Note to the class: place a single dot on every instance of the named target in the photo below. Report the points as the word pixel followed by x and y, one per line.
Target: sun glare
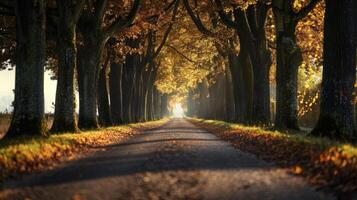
pixel 177 111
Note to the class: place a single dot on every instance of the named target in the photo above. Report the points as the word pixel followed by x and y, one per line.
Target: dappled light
pixel 178 99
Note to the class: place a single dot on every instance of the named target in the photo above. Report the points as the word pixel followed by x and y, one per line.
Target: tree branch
pixel 149 57
pixel 167 32
pixel 100 8
pixel 196 19
pixel 306 10
pixel 252 19
pixel 77 11
pixel 181 54
pixel 262 12
pixel 120 24
pixel 224 17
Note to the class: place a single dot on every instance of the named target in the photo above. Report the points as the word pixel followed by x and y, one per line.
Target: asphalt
pixel 175 161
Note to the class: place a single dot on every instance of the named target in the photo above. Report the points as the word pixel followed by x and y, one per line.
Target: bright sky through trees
pixel 177 111
pixel 7 83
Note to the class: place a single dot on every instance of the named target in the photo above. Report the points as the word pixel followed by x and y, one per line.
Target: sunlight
pixel 177 111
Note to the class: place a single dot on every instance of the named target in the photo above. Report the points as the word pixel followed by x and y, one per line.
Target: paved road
pixel 176 161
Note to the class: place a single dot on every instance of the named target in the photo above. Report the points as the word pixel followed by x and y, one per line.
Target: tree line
pixel 242 93
pixel 85 38
pixel 112 52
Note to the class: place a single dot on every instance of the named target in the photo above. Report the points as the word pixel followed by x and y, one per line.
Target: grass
pixel 5 120
pixel 325 163
pixel 299 137
pixel 28 154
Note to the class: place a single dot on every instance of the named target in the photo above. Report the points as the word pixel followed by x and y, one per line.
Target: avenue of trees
pixel 130 59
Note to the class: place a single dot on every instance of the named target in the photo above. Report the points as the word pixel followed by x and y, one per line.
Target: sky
pixel 7 84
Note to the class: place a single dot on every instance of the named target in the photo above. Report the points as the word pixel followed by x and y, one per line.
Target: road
pixel 175 161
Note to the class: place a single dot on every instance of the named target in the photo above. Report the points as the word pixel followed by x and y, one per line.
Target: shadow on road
pixel 170 148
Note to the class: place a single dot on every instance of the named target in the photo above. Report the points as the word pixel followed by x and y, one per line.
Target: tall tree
pixel 288 58
pixel 95 36
pixel 339 71
pixel 254 57
pixel 28 115
pixel 250 68
pixel 65 119
pixel 105 117
pixel 115 85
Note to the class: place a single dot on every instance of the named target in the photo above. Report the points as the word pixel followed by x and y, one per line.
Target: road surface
pixel 175 161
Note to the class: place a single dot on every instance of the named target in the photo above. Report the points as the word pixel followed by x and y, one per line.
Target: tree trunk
pixel 141 99
pixel 204 99
pixel 220 98
pixel 156 104
pixel 190 104
pixel 115 81
pixel 150 109
pixel 164 111
pixel 288 58
pixel 339 73
pixel 129 76
pixel 147 88
pixel 105 118
pixel 261 62
pixel 28 115
pixel 65 119
pixel 88 73
pixel 230 107
pixel 242 85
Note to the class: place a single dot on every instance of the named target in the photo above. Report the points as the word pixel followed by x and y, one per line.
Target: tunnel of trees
pixel 285 64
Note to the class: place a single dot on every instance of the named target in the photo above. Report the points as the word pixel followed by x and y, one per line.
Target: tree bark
pixel 156 104
pixel 164 111
pixel 261 92
pixel 339 73
pixel 88 73
pixel 204 99
pixel 242 85
pixel 95 36
pixel 289 58
pixel 115 81
pixel 28 115
pixel 261 61
pixel 105 118
pixel 190 104
pixel 230 106
pixel 129 77
pixel 65 118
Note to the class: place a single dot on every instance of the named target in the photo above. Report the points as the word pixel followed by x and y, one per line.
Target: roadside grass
pixel 5 120
pixel 327 164
pixel 29 154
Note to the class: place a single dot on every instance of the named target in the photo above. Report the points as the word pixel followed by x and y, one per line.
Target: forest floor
pixel 176 161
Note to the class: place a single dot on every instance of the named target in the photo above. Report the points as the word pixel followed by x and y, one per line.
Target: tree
pixel 65 119
pixel 288 58
pixel 254 58
pixel 105 117
pixel 28 115
pixel 339 71
pixel 95 36
pixel 115 85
